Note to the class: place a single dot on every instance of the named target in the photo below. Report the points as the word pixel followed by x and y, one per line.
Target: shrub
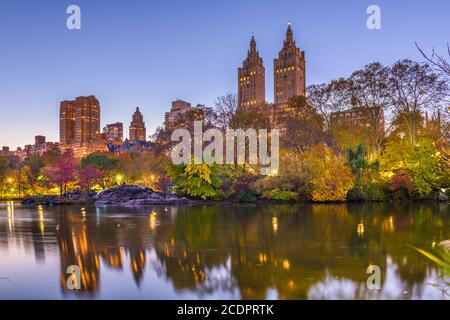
pixel 277 194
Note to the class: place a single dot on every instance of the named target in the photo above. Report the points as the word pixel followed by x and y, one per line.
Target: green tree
pixel 108 165
pixel 421 162
pixel 196 180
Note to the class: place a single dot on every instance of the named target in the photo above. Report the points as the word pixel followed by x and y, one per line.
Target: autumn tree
pixel 304 126
pixel 225 108
pixel 372 95
pixel 62 171
pixel 4 165
pixel 107 164
pixel 89 176
pixel 416 89
pixel 331 176
pixel 35 164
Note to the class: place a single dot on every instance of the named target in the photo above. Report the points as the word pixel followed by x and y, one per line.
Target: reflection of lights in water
pixel 360 229
pixel 152 220
pixel 275 225
pixel 388 224
pixel 10 209
pixel 286 264
pixel 262 258
pixel 41 219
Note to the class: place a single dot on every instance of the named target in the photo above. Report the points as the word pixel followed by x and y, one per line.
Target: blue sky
pixel 147 53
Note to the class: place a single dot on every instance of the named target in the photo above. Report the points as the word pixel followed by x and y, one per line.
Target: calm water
pixel 223 251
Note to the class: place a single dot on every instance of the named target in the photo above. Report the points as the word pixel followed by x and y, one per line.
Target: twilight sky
pixel 147 53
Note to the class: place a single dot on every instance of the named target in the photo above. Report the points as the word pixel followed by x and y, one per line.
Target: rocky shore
pixel 125 195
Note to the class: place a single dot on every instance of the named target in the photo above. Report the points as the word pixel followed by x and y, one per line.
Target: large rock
pixel 130 196
pixel 73 197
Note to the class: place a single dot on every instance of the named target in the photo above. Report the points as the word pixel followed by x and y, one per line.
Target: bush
pixel 247 195
pixel 277 194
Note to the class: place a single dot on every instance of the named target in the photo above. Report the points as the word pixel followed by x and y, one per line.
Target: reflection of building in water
pixel 200 251
pixel 137 263
pixel 77 249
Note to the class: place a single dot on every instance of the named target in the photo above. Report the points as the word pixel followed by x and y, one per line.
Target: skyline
pixel 148 58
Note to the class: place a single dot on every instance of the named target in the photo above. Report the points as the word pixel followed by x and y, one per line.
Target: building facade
pixel 80 125
pixel 113 133
pixel 289 71
pixel 137 130
pixel 182 113
pixel 360 117
pixel 251 80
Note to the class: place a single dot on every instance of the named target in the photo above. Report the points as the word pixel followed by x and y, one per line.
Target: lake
pixel 221 251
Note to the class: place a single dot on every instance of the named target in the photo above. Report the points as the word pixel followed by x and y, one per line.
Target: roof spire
pixel 289 34
pixel 253 44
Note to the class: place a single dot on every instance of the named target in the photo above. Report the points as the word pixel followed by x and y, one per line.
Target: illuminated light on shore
pixel 119 178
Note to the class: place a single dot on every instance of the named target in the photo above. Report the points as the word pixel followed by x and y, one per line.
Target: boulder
pixel 131 195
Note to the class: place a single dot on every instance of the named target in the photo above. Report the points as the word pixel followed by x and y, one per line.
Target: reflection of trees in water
pixel 300 251
pixel 310 243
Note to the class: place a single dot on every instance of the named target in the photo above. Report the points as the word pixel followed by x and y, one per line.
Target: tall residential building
pixel 289 71
pixel 251 79
pixel 182 114
pixel 137 127
pixel 179 107
pixel 87 119
pixel 80 125
pixel 66 123
pixel 114 133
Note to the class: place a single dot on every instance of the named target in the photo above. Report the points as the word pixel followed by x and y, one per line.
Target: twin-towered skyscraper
pixel 288 70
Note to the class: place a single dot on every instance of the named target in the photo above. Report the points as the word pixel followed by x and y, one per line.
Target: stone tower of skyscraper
pixel 137 127
pixel 289 71
pixel 251 79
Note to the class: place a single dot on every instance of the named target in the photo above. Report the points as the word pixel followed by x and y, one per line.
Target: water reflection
pixel 248 252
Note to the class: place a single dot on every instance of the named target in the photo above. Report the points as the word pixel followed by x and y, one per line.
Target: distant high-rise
pixel 182 114
pixel 39 141
pixel 138 131
pixel 114 133
pixel 80 125
pixel 289 71
pixel 251 79
pixel 66 123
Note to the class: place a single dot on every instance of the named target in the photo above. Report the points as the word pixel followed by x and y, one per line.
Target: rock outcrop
pixel 130 196
pixel 125 195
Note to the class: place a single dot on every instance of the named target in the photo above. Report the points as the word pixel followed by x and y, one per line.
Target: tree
pixel 303 126
pixel 196 180
pixel 372 95
pixel 62 172
pixel 328 99
pixel 4 165
pixel 416 89
pixel 440 63
pixel 225 108
pixel 331 176
pixel 421 162
pixel 35 164
pixel 108 165
pixel 89 176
